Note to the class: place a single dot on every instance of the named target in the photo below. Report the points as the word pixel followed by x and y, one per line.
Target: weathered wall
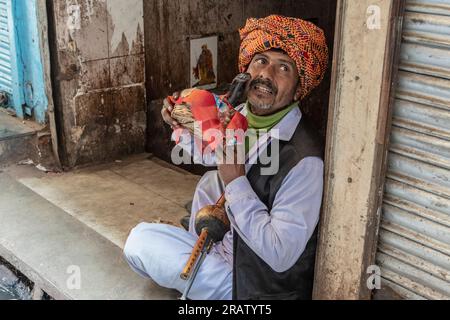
pixel 99 78
pixel 169 26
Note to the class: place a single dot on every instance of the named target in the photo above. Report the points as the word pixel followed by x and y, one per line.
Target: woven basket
pixel 183 115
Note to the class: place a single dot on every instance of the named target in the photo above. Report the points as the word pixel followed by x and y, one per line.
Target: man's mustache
pixel 264 82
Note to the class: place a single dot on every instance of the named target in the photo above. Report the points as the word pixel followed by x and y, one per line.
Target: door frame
pixel 363 79
pixel 45 32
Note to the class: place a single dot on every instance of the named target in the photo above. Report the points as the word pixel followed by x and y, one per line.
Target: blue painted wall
pixel 12 72
pixel 30 65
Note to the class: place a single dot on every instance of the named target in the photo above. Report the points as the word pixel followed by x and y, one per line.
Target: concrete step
pixel 11 126
pixel 50 247
pixel 24 140
pixel 113 198
pixel 55 224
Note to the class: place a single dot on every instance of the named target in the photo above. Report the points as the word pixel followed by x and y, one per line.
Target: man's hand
pixel 229 172
pixel 167 111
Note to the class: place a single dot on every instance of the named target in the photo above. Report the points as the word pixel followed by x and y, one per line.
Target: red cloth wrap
pixel 205 110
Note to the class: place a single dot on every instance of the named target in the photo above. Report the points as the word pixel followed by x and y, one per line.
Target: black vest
pixel 253 279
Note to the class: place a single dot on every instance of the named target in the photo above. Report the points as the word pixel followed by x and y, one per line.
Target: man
pixel 269 254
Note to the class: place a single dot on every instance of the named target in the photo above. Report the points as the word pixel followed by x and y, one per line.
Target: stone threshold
pixel 66 232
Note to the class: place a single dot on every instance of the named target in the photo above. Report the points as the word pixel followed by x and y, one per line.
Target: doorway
pixel 173 25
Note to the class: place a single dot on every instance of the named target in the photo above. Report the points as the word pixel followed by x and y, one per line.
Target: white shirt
pixel 279 237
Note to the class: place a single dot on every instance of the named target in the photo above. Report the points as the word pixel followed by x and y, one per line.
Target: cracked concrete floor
pixel 112 199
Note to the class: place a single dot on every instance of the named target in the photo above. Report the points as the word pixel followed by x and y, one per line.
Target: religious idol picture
pixel 204 63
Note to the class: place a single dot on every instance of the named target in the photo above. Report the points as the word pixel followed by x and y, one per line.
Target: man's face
pixel 274 82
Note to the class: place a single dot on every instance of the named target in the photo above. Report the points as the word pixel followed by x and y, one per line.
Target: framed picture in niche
pixel 204 54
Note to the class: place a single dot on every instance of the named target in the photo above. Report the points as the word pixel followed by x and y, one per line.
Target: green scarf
pixel 259 125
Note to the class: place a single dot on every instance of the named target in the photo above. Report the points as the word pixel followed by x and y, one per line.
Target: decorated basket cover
pixel 204 114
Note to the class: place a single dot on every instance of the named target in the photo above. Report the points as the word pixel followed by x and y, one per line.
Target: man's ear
pixel 298 94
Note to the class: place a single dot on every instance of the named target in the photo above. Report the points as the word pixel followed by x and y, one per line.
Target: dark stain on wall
pixel 99 90
pixel 169 26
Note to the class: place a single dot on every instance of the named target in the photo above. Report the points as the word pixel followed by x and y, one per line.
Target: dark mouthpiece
pixel 237 89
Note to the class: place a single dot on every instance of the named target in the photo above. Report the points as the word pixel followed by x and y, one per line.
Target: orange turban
pixel 303 41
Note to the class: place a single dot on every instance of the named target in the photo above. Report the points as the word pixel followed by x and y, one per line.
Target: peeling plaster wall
pixel 99 78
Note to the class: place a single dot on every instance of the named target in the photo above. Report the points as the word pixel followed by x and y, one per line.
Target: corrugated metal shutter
pixel 6 66
pixel 414 249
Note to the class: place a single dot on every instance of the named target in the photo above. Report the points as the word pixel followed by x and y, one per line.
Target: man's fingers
pixel 171 122
pixel 165 113
pixel 226 117
pixel 168 119
pixel 168 105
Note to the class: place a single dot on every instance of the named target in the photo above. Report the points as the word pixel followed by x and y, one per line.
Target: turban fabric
pixel 303 41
